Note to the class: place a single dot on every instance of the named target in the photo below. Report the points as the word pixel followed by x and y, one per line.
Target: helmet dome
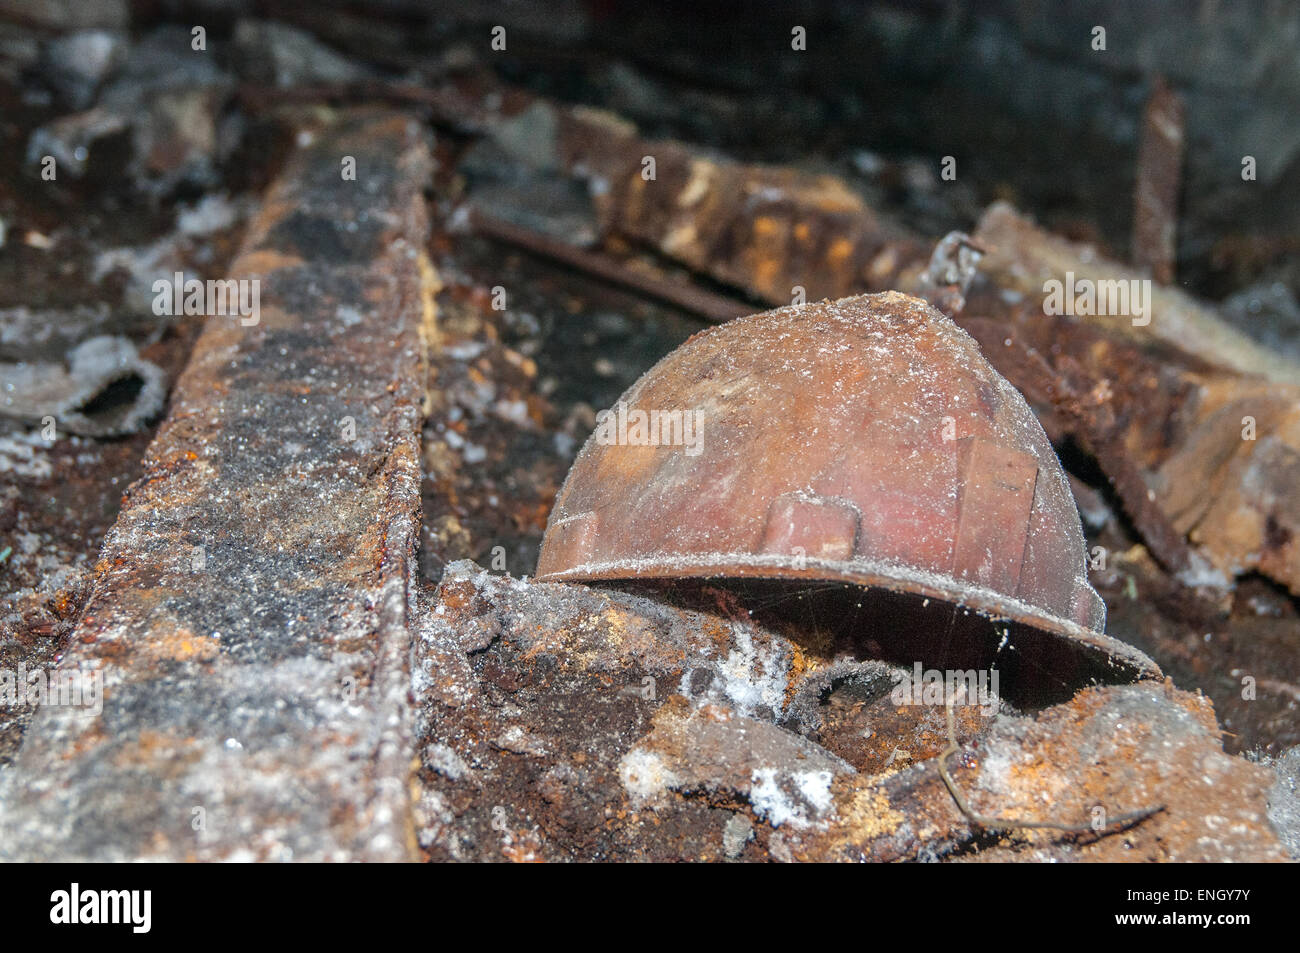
pixel 865 441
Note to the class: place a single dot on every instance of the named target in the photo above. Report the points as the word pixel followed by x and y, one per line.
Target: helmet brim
pixel 1121 662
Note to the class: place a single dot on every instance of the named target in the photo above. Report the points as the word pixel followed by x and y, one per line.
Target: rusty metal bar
pixel 249 611
pixel 1159 176
pixel 680 294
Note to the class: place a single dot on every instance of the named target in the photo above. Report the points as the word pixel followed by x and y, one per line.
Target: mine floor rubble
pixel 290 550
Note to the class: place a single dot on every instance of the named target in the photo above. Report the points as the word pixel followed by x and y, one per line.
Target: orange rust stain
pixel 182 645
pixel 766 271
pixel 839 252
pixel 457 596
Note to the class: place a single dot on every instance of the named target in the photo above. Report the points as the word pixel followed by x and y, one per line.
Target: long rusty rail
pixel 249 616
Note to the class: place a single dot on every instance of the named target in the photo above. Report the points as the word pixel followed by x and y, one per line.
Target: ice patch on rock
pixel 775 802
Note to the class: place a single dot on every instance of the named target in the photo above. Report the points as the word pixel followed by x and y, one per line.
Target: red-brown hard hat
pixel 864 441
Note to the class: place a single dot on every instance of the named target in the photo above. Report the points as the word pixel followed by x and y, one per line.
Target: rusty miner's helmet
pixel 863 441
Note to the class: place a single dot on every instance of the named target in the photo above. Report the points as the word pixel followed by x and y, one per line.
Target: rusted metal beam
pixel 769 230
pixel 1194 423
pixel 249 615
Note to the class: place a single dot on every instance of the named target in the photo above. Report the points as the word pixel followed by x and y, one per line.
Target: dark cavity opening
pixel 114 401
pixel 836 620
